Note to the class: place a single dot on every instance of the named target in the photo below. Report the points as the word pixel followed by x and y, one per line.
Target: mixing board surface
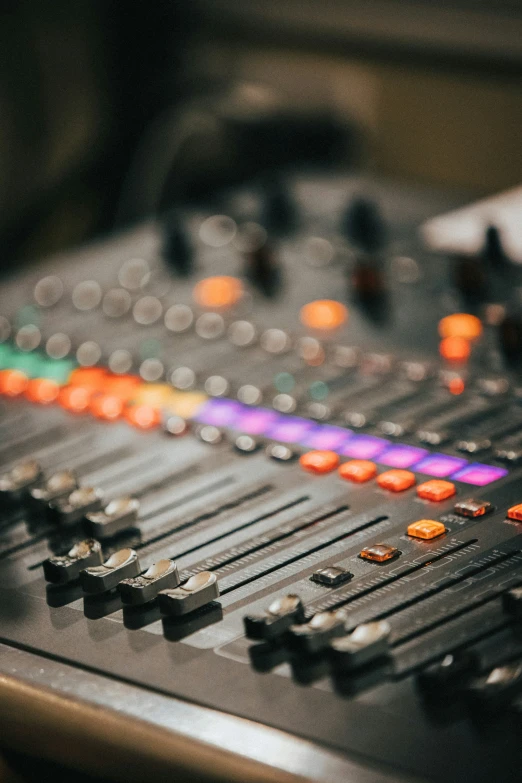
pixel 268 462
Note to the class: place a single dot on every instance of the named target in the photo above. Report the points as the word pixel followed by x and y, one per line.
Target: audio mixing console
pixel 268 462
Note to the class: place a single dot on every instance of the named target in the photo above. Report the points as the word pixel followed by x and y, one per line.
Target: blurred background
pixel 112 110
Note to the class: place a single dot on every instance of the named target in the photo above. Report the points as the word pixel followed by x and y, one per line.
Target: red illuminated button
pixel 460 325
pixel 92 377
pixel 436 490
pixel 219 292
pixel 379 553
pixel 325 314
pixel 13 382
pixel 75 398
pixel 123 386
pixel 106 406
pixel 455 349
pixel 145 417
pixel 358 470
pixel 319 461
pixel 42 390
pixel 426 529
pixel 396 480
pixel 515 512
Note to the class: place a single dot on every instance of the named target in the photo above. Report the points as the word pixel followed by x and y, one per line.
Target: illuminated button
pixel 145 417
pixel 218 292
pixel 75 398
pixel 88 377
pixel 436 490
pixel 472 508
pixel 515 512
pixel 379 553
pixel 426 529
pixel 319 461
pixel 106 406
pixel 455 349
pixel 123 386
pixel 13 382
pixel 42 390
pixel 461 325
pixel 325 314
pixel 396 480
pixel 359 470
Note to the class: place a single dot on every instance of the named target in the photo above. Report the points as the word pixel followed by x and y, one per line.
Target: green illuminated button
pixel 284 382
pixel 6 356
pixel 318 390
pixel 28 363
pixel 57 370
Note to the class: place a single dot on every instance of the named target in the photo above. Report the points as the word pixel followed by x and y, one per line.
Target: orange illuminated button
pixel 13 382
pixel 106 406
pixel 461 325
pixel 123 386
pixel 515 512
pixel 455 349
pixel 359 470
pixel 378 553
pixel 42 390
pixel 426 529
pixel 92 377
pixel 436 490
pixel 216 293
pixel 396 480
pixel 145 417
pixel 75 398
pixel 325 314
pixel 319 461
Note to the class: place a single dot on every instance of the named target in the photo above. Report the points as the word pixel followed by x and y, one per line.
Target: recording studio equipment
pixel 262 488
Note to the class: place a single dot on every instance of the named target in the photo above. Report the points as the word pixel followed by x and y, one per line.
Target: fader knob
pixel 264 271
pixel 364 226
pixel 510 336
pixel 278 212
pixel 177 251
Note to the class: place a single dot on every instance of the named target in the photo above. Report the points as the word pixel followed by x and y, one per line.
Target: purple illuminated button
pixel 256 421
pixel 290 429
pixel 439 465
pixel 327 437
pixel 220 413
pixel 364 447
pixel 479 474
pixel 401 456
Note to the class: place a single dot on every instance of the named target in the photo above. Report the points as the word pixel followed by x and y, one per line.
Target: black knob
pixel 177 250
pixel 278 211
pixel 264 271
pixel 510 335
pixel 364 226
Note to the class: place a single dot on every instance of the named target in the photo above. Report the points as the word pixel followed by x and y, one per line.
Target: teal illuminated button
pixel 28 363
pixel 284 382
pixel 318 390
pixel 57 370
pixel 6 356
